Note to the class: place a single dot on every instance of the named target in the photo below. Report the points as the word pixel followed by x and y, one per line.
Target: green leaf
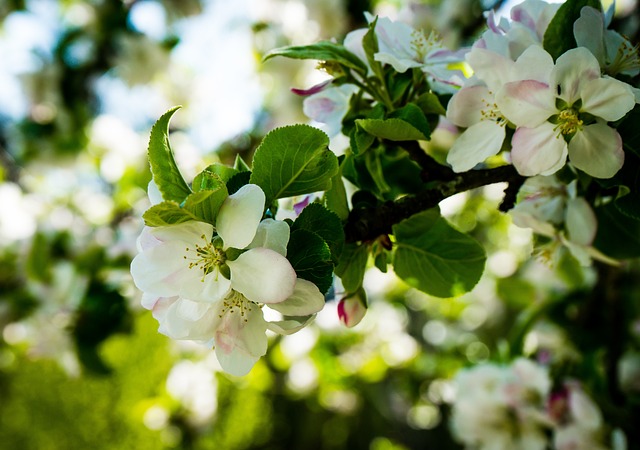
pixel 405 124
pixel 294 160
pixel 618 235
pixel 237 181
pixel 628 202
pixel 324 223
pixel 310 257
pixel 335 199
pixel 559 35
pixel 352 265
pixel 429 103
pixel 163 166
pixel 167 213
pixel 322 51
pixel 436 258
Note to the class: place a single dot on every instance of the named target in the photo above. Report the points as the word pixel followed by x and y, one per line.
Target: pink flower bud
pixel 351 310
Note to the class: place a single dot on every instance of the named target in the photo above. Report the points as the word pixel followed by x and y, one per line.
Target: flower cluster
pixel 515 407
pixel 210 284
pixel 559 110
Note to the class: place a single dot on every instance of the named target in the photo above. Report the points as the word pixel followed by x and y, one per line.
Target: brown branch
pixel 365 224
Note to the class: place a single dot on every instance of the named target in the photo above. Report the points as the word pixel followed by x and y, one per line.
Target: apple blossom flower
pixel 234 326
pixel 577 419
pixel 567 115
pixel 474 106
pixel 186 260
pixel 612 50
pixel 553 209
pixel 402 47
pixel 329 105
pixel 501 407
pixel 529 21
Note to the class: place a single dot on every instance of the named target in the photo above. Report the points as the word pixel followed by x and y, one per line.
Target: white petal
pixel 192 311
pixel 494 69
pixel 161 270
pixel 607 98
pixel 188 232
pixel 272 234
pixel 538 151
pixel 526 103
pixel 466 106
pixel 146 240
pixel 580 221
pixel 290 325
pixel 154 194
pixel 588 30
pixel 533 64
pixel 240 215
pixel 263 276
pixel 597 150
pixel 305 300
pixel 574 68
pixel 211 288
pixel 476 144
pixel 240 341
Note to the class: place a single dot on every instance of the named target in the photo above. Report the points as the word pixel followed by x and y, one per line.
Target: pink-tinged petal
pixel 161 307
pixel 305 300
pixel 240 215
pixel 573 69
pixel 526 103
pixel 146 240
pixel 490 67
pixel 290 325
pixel 538 151
pixel 313 89
pixel 607 98
pixel 351 310
pixel 263 276
pixel 272 234
pixel 466 106
pixel 240 341
pixel 580 221
pixel 148 301
pixel 597 150
pixel 476 144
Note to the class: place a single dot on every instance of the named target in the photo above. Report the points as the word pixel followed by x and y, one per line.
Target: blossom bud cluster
pixel 515 407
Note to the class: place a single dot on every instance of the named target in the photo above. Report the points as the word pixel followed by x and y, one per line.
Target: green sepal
pixel 432 256
pixel 310 257
pixel 163 165
pixel 293 160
